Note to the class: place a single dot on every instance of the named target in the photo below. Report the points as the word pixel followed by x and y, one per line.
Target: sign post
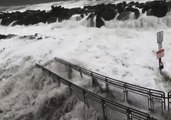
pixel 160 52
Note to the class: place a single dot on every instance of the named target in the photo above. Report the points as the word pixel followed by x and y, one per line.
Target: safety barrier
pixel 151 94
pixel 168 98
pixel 131 114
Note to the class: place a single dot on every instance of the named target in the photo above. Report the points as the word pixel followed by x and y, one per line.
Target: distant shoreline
pixel 5 3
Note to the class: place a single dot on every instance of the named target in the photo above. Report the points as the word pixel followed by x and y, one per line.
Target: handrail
pixel 130 112
pixel 150 93
pixel 168 98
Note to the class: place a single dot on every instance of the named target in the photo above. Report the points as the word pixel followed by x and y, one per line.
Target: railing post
pixel 70 90
pixel 69 71
pixel 129 114
pixel 162 106
pixel 106 84
pixel 85 98
pixel 81 72
pixel 104 109
pixel 150 101
pixel 94 81
pixel 163 102
pixel 125 92
pixel 59 82
pixel 168 95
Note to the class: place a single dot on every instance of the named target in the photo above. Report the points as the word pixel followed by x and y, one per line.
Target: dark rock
pixel 108 14
pixel 6 36
pixel 99 22
pixel 3 36
pixel 121 7
pixel 82 15
pixel 104 12
pixel 124 15
pixel 156 8
pixel 131 3
pixel 51 20
pixel 1 111
pixel 136 13
pixel 6 21
pixel 139 5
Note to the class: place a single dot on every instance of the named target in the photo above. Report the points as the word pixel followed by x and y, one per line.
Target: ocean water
pixel 124 50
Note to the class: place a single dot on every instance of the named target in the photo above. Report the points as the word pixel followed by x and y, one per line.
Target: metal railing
pixel 151 94
pixel 131 114
pixel 168 98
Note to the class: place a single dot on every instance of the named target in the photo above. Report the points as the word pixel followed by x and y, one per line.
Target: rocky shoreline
pixel 101 12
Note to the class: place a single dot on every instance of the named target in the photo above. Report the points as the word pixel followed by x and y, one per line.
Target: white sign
pixel 160 53
pixel 160 37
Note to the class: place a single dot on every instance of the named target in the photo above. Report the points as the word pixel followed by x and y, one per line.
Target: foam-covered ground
pixel 122 50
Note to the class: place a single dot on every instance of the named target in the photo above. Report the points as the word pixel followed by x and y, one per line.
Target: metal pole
pixel 160 46
pixel 160 65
